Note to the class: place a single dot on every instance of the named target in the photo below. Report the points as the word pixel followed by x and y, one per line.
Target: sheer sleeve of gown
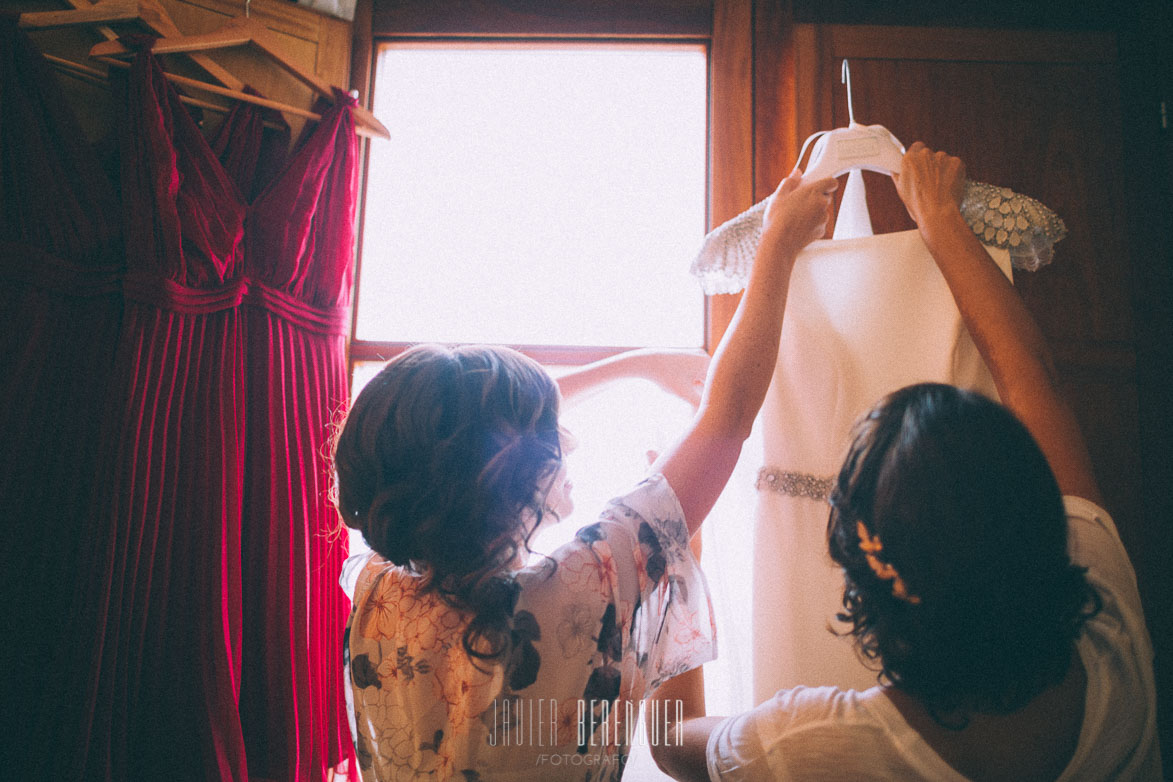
pixel 1001 218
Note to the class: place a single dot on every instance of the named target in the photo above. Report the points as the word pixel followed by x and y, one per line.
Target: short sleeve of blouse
pixel 790 736
pixel 734 753
pixel 1095 544
pixel 674 630
pixel 636 562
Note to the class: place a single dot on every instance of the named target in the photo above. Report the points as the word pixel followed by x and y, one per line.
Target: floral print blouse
pixel 618 610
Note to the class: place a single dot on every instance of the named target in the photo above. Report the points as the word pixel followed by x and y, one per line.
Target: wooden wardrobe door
pixel 1038 113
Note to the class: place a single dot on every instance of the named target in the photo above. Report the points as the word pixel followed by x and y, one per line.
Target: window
pixel 545 195
pixel 548 196
pixel 709 41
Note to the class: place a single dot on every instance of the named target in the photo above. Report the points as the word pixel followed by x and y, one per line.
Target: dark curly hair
pixel 443 464
pixel 969 513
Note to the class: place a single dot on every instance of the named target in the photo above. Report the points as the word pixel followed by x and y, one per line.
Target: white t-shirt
pixel 830 734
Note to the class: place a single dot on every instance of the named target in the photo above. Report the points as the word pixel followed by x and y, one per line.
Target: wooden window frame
pixel 724 26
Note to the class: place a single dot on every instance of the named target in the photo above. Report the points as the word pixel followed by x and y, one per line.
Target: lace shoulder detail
pixel 998 216
pixel 727 252
pixel 1012 221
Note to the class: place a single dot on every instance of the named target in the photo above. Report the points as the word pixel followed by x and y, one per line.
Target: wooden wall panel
pixel 776 53
pixel 1041 115
pixel 1069 118
pixel 731 136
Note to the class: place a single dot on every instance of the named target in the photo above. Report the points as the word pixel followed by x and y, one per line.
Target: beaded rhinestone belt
pixel 794 484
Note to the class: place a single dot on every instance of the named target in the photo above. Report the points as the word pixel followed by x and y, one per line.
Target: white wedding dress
pixel 865 316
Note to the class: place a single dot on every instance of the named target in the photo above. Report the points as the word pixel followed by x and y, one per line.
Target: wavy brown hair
pixel 443 464
pixel 969 513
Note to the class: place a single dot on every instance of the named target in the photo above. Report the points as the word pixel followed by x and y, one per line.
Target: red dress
pixel 224 634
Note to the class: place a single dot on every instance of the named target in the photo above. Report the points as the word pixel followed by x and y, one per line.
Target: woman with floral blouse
pixel 462 660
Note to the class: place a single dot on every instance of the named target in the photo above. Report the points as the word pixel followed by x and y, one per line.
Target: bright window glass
pixel 546 195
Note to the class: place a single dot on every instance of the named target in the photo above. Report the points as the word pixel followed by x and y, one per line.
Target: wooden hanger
pixel 104 11
pixel 97 77
pixel 152 14
pixel 242 31
pixel 149 12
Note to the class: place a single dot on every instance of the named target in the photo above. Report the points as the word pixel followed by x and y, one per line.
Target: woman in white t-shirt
pixel 981 578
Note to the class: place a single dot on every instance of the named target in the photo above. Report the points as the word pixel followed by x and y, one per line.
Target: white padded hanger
pixel 852 149
pixel 870 147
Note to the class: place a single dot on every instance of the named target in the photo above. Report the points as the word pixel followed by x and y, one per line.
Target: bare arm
pixel 678 730
pixel 678 372
pixel 930 183
pixel 699 464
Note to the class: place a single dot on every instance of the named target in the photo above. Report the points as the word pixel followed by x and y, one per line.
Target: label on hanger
pixel 851 148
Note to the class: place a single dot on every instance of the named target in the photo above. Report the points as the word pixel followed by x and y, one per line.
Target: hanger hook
pixel 845 78
pixel 248 3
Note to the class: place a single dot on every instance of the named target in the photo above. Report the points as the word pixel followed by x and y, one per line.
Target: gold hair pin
pixel 885 571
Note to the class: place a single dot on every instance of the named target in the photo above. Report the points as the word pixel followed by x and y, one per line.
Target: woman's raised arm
pixel 930 183
pixel 700 463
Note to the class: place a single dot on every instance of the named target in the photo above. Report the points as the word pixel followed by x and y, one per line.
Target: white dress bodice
pixel 865 317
